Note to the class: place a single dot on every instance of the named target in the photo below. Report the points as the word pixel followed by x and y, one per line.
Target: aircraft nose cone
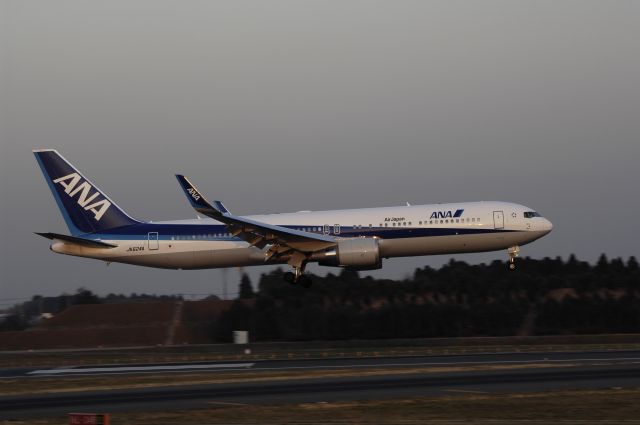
pixel 547 226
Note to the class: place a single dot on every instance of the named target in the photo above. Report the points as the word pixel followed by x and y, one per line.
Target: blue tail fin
pixel 85 208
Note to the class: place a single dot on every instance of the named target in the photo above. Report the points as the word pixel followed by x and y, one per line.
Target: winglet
pixel 256 233
pixel 220 207
pixel 198 202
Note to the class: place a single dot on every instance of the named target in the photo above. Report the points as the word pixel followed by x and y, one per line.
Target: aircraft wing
pixel 257 233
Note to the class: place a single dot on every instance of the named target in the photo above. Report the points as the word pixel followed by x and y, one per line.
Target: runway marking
pixel 257 367
pixel 497 362
pixel 129 369
pixel 227 403
pixel 467 391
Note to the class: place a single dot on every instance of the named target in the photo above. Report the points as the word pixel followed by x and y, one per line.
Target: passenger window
pixel 336 229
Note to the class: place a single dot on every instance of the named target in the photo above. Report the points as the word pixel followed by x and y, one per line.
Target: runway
pixel 403 377
pixel 512 358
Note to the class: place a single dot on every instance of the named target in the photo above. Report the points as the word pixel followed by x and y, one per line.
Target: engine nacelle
pixel 356 254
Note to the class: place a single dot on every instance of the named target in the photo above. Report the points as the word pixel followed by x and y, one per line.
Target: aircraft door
pixel 498 220
pixel 153 241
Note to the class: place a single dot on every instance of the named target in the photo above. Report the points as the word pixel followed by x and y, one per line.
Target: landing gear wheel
pixel 298 261
pixel 289 277
pixel 305 281
pixel 513 252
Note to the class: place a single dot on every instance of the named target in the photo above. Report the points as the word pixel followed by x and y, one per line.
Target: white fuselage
pixel 402 231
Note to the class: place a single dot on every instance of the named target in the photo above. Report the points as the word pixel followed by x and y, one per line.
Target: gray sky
pixel 287 105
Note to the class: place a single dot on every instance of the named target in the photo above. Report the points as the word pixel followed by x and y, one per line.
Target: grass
pixel 603 406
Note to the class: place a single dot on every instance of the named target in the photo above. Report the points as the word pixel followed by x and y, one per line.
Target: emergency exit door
pixel 498 220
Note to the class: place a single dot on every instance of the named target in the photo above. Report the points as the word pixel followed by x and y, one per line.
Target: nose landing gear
pixel 513 252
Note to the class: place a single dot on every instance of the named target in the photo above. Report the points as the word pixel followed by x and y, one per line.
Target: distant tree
pixel 85 296
pixel 632 264
pixel 348 276
pixel 62 302
pixel 603 263
pixel 246 289
pixel 617 264
pixel 13 322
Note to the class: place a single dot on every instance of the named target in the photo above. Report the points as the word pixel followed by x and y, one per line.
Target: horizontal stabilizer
pixel 90 243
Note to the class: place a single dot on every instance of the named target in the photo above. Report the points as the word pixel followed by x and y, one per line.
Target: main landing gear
pixel 297 277
pixel 513 252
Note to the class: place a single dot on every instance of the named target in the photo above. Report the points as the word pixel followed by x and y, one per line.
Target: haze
pixel 292 105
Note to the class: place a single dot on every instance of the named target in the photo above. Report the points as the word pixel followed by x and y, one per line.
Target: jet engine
pixel 356 254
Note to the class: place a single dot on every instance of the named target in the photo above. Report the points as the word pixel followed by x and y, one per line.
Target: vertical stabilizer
pixel 85 208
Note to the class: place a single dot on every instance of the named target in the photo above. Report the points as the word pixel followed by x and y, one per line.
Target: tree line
pixel 541 297
pixel 29 312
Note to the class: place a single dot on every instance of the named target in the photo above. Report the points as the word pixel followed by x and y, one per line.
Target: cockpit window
pixel 531 214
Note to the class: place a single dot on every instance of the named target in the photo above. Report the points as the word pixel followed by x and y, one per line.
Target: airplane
pixel 357 239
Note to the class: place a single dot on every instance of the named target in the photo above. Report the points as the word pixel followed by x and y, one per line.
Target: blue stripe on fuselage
pixel 219 232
